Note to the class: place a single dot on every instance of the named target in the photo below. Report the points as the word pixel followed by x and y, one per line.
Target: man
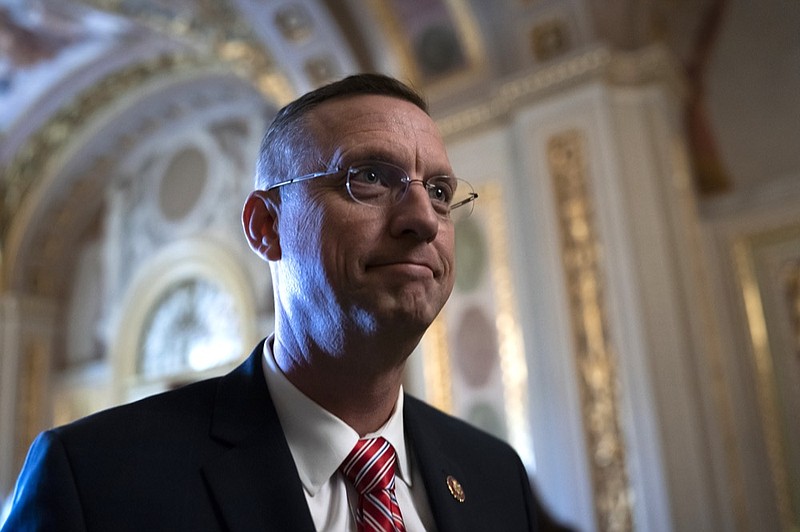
pixel 354 211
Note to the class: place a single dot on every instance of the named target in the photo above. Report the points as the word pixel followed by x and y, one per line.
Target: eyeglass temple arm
pixel 472 197
pixel 303 178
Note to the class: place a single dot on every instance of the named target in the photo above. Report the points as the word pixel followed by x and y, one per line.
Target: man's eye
pixel 440 191
pixel 369 175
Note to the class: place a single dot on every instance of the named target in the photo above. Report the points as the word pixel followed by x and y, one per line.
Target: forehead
pixel 374 125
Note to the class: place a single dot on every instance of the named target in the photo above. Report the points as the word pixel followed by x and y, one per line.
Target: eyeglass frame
pixel 471 196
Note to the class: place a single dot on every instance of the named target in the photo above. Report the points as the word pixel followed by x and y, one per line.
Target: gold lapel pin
pixel 455 488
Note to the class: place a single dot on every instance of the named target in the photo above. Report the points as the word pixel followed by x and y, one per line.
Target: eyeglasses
pixel 381 184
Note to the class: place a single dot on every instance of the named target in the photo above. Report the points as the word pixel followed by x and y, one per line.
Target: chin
pixel 415 317
pixel 413 309
pixel 411 321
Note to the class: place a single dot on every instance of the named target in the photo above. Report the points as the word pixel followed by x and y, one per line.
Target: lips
pixel 405 264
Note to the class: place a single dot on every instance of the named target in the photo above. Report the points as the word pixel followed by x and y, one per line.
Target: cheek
pixel 345 241
pixel 445 243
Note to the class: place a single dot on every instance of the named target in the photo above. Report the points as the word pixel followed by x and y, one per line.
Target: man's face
pixel 344 264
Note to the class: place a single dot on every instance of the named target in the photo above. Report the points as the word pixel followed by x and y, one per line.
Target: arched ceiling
pixel 61 57
pixel 291 46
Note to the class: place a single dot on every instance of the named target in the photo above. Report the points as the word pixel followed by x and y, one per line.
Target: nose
pixel 414 214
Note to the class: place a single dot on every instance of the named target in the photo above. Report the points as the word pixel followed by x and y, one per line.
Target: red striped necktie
pixel 370 467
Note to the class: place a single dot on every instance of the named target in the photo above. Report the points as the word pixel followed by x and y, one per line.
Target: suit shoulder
pixel 164 411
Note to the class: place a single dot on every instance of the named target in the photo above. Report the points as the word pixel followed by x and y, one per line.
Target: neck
pixel 358 382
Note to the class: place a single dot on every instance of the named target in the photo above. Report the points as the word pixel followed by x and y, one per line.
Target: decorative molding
pixel 513 366
pixel 31 162
pixel 633 68
pixel 594 351
pixel 436 367
pixel 219 36
pixel 549 39
pixel 401 41
pixel 731 447
pixel 185 259
pixel 511 362
pixel 765 379
pixel 216 25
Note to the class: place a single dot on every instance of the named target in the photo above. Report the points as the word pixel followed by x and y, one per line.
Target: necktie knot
pixel 370 466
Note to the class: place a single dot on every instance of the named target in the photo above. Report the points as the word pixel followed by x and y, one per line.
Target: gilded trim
pixel 217 24
pixel 634 68
pixel 436 366
pixel 31 161
pixel 765 377
pixel 594 351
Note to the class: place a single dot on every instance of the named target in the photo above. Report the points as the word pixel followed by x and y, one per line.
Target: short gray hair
pixel 287 135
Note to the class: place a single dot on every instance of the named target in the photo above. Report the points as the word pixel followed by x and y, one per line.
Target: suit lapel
pixel 255 482
pixel 435 467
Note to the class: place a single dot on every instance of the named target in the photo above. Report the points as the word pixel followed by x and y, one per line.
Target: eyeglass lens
pixel 383 184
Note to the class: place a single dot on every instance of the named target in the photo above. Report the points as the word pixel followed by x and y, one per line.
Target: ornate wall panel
pixel 214 26
pixel 437 41
pixel 595 356
pixel 215 36
pixel 768 269
pixel 474 354
pixel 35 161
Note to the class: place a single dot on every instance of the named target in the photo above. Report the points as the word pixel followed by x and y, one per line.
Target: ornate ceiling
pixel 79 78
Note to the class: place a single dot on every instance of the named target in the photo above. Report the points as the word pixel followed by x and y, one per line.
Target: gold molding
pixel 31 161
pixel 436 367
pixel 766 384
pixel 507 96
pixel 632 68
pixel 594 352
pixel 216 25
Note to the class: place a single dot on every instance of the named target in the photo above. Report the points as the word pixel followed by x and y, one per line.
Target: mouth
pixel 405 268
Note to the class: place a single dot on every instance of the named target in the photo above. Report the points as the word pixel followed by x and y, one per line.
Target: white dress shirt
pixel 319 443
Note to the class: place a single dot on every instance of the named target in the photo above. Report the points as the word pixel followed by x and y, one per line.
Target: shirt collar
pixel 318 440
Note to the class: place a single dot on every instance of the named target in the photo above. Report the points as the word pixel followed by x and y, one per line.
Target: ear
pixel 260 224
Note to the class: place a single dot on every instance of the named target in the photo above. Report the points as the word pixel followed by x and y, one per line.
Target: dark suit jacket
pixel 212 456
